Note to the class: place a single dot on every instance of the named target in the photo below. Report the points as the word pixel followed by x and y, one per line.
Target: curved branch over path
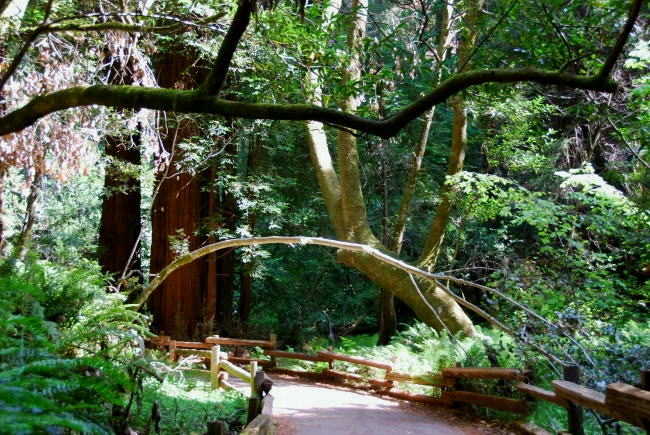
pixel 301 240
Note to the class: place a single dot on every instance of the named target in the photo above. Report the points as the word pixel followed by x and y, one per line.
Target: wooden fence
pixel 620 402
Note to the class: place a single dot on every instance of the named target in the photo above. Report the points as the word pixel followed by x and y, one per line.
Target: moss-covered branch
pixel 135 97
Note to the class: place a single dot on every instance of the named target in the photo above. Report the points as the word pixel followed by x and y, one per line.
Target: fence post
pixel 330 363
pixel 645 385
pixel 252 380
pixel 574 412
pixel 172 350
pixel 216 428
pixel 214 366
pixel 273 338
pixel 254 402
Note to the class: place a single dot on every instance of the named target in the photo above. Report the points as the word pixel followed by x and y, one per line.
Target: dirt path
pixel 301 408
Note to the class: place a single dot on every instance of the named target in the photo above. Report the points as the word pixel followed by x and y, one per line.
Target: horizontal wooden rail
pixel 187 352
pixel 580 395
pixel 226 385
pixel 381 383
pixel 264 344
pixel 485 373
pixel 430 379
pixel 159 340
pixel 235 371
pixel 634 410
pixel 295 355
pixel 422 398
pixel 330 373
pixel 192 345
pixel 540 393
pixel 246 361
pixel 500 403
pixel 299 373
pixel 354 359
pixel 630 400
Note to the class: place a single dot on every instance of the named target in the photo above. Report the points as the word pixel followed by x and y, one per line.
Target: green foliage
pixel 65 291
pixel 186 405
pixel 62 375
pixel 518 140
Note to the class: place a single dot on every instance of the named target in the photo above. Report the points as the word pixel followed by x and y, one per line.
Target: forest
pixel 460 183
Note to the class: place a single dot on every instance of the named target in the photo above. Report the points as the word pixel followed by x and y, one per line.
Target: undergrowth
pixel 187 405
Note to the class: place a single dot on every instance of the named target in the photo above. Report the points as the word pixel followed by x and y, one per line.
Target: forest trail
pixel 307 408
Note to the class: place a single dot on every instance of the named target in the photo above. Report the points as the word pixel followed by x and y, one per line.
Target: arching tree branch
pixel 132 97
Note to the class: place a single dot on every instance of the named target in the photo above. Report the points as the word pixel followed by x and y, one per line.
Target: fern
pixel 65 374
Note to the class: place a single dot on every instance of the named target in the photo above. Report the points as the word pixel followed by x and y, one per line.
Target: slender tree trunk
pixel 345 205
pixel 436 236
pixel 3 174
pixel 24 239
pixel 388 317
pixel 253 162
pixel 455 165
pixel 387 314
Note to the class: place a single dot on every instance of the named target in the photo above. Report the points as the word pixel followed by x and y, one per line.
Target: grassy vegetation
pixel 187 405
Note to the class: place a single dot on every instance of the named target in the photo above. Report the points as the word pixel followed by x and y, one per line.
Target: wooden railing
pixel 621 401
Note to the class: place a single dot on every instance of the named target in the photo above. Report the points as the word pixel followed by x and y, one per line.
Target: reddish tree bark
pixel 120 226
pixel 120 222
pixel 188 297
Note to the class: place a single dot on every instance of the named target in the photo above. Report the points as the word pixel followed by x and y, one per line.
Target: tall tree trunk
pixel 120 227
pixel 179 306
pixel 227 217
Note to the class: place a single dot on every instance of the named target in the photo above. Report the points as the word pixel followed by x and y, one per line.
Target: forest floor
pixel 311 408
